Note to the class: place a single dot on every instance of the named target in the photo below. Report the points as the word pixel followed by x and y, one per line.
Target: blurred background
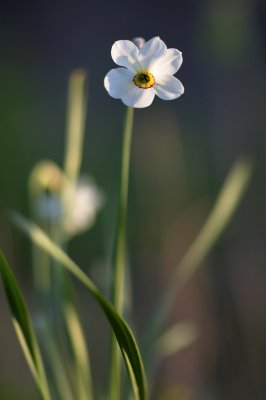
pixel 182 151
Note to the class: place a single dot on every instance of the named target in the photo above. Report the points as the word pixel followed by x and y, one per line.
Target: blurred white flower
pixel 144 72
pixel 139 42
pixel 83 204
pixel 86 202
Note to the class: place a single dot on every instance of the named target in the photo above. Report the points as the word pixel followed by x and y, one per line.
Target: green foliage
pixel 24 328
pixel 122 331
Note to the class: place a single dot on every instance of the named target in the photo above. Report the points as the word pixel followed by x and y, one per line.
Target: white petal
pixel 117 82
pixel 154 47
pixel 168 87
pixel 125 53
pixel 138 98
pixel 168 64
pixel 151 51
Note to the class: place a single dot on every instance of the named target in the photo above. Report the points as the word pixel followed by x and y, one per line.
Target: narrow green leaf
pixel 59 372
pixel 177 338
pixel 76 118
pixel 24 328
pixel 80 352
pixel 221 214
pixel 122 331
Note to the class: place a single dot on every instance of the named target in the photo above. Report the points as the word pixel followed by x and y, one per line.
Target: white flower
pixel 144 72
pixel 87 200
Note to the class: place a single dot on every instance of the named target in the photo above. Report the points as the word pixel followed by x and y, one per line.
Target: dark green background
pixel 181 153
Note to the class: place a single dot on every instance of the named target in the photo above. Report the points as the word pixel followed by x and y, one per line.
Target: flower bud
pixel 139 42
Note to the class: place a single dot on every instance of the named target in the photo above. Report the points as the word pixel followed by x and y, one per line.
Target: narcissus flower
pixel 87 199
pixel 145 72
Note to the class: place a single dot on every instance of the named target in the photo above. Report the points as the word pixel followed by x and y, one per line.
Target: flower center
pixel 144 80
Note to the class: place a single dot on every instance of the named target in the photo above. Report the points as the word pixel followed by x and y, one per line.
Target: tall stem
pixel 119 253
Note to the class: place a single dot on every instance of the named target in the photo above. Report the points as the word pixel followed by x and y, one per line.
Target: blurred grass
pixel 226 204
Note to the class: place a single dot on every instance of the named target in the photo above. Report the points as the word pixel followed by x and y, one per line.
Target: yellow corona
pixel 144 80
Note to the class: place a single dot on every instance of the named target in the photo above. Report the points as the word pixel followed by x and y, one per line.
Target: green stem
pixel 76 118
pixel 120 253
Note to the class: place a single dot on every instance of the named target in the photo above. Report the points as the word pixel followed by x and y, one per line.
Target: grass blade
pixel 80 354
pixel 178 337
pixel 24 328
pixel 221 214
pixel 76 117
pixel 122 331
pixel 58 368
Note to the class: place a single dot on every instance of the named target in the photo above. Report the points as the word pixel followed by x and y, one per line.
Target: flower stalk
pixel 119 253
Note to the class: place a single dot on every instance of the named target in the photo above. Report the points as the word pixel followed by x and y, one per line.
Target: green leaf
pixel 24 328
pixel 76 118
pixel 176 338
pixel 122 331
pixel 59 373
pixel 80 353
pixel 223 210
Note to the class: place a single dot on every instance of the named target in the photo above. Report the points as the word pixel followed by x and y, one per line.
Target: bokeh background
pixel 182 151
